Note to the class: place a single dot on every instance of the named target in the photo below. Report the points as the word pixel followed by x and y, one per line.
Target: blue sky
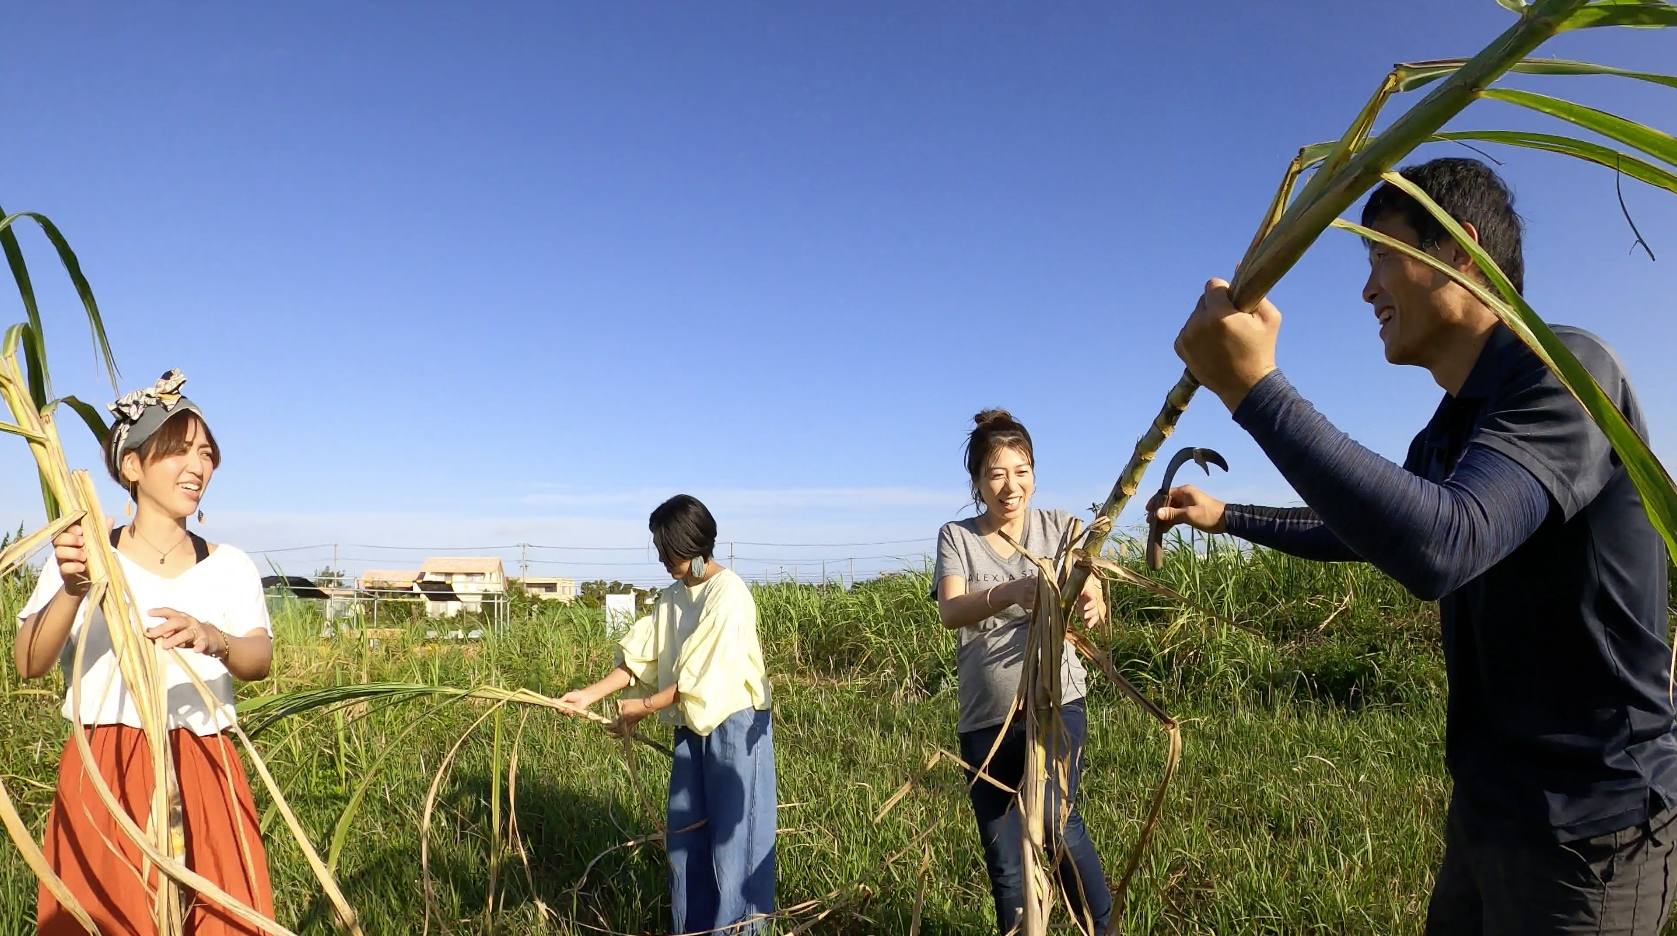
pixel 452 276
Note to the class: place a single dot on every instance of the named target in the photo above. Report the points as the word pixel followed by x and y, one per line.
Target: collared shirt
pixel 1560 712
pixel 702 639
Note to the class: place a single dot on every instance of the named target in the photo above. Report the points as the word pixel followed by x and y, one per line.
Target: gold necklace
pixel 162 554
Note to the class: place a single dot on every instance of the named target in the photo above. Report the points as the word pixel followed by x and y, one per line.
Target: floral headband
pixel 141 413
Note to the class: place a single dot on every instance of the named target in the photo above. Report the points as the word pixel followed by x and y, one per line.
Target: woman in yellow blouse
pixel 697 663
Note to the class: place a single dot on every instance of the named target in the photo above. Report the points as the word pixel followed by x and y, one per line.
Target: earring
pixel 200 517
pixel 128 508
pixel 697 567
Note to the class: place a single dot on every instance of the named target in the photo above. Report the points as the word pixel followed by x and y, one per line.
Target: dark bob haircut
pixel 683 528
pixel 1468 191
pixel 169 439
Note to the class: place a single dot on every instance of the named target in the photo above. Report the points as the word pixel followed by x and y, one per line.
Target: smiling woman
pixel 201 598
pixel 986 591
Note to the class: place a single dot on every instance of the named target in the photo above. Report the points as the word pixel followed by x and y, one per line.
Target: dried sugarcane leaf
pixel 429 888
pixel 13 555
pixel 20 431
pixel 37 861
pixel 1173 756
pixel 345 913
pixel 1123 573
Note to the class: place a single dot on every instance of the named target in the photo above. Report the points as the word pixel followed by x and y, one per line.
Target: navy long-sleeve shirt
pixel 1432 537
pixel 1513 511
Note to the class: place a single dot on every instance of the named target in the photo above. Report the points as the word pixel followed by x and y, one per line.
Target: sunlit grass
pixel 1309 799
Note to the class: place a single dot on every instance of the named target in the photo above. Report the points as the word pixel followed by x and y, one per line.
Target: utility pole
pixel 523 565
pixel 823 572
pixel 334 558
pixel 852 571
pixel 730 556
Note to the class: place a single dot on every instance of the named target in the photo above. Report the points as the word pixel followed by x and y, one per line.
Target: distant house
pixel 453 585
pixel 550 589
pixel 384 580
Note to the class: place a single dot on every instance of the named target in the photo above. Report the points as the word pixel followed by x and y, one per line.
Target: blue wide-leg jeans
pixel 722 872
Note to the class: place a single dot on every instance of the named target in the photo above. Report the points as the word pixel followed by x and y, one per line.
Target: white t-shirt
pixel 225 590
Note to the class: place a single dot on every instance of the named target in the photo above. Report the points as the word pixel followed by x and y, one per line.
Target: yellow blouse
pixel 703 640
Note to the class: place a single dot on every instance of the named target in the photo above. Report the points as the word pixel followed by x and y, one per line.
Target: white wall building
pixel 462 584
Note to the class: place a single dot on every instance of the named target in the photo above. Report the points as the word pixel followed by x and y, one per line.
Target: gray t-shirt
pixel 990 654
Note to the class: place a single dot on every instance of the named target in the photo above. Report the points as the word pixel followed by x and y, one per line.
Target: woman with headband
pixel 203 600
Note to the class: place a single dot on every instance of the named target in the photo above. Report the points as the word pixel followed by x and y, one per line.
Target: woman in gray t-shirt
pixel 986 592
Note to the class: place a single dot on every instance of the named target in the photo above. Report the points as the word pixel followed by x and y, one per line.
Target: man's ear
pixel 1460 258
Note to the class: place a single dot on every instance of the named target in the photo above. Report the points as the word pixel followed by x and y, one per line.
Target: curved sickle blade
pixel 1202 457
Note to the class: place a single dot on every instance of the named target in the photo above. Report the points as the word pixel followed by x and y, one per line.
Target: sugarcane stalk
pixel 137 659
pixel 1272 255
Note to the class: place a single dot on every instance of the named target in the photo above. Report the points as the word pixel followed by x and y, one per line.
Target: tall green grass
pixel 1310 796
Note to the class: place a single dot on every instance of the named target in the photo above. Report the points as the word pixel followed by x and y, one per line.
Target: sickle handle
pixel 1155 534
pixel 1155 546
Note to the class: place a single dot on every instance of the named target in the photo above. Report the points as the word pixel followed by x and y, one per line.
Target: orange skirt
pixel 106 871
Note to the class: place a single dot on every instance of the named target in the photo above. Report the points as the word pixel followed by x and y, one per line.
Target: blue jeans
pixel 999 828
pixel 722 873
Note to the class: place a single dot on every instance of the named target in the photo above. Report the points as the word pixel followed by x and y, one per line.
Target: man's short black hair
pixel 1468 191
pixel 683 528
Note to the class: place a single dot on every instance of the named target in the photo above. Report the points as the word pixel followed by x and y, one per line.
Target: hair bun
pixel 994 419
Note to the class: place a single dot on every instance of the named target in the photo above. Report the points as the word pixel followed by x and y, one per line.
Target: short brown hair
pixel 994 429
pixel 169 439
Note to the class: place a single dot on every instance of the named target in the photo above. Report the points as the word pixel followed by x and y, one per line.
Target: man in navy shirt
pixel 1513 512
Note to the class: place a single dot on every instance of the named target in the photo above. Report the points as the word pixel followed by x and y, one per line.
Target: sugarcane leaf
pixel 1653 483
pixel 12 556
pixel 20 337
pixel 340 833
pixel 14 339
pixel 1647 14
pixel 38 384
pixel 262 712
pixel 1415 75
pixel 1412 75
pixel 72 267
pixel 1350 142
pixel 89 414
pixel 1122 573
pixel 1582 149
pixel 1566 67
pixel 23 338
pixel 1655 143
pixel 1572 146
pixel 1306 219
pixel 19 430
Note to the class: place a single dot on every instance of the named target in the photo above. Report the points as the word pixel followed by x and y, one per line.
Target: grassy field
pixel 1309 800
